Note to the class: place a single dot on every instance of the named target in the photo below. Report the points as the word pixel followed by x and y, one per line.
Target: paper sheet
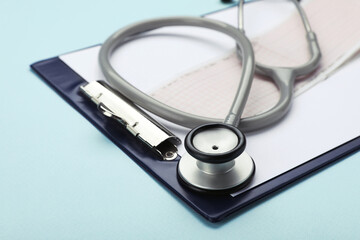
pixel 321 119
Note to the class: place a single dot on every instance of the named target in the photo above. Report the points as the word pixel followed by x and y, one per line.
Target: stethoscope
pixel 215 160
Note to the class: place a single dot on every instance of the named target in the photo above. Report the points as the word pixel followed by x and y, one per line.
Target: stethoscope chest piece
pixel 215 159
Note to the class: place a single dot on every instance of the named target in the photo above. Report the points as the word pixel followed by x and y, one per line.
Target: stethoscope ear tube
pixel 283 77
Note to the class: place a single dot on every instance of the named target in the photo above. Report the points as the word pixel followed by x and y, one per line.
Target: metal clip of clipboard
pixel 136 121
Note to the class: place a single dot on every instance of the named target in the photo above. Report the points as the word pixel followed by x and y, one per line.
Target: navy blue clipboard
pixel 214 208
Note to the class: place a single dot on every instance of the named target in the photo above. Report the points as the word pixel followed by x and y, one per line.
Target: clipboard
pixel 214 208
pixel 66 82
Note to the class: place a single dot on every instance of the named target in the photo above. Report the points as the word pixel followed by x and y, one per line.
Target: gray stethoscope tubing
pixel 283 77
pixel 215 159
pixel 163 110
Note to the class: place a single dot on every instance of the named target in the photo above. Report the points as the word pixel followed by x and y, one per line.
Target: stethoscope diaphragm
pixel 215 159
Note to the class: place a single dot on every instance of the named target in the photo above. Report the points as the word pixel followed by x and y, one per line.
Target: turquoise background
pixel 60 178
